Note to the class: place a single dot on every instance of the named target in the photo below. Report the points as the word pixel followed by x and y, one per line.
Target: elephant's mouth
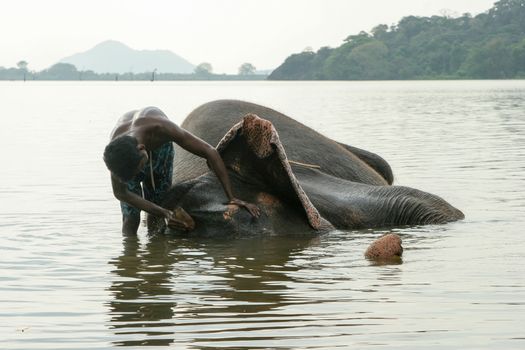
pixel 203 200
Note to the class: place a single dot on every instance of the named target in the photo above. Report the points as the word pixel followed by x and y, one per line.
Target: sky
pixel 225 33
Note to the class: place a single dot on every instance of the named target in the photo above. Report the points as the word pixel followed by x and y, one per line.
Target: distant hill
pixel 490 45
pixel 115 57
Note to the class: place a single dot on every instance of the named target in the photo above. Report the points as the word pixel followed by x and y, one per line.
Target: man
pixel 141 151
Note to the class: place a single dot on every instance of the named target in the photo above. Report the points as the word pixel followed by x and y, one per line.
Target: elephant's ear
pixel 253 150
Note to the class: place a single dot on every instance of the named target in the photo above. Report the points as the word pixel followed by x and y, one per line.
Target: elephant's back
pixel 302 144
pixel 223 114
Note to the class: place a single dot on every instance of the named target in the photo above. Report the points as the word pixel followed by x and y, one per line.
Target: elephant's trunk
pixel 408 206
pixel 350 205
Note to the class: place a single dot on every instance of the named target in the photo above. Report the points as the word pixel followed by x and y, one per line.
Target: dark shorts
pixel 142 185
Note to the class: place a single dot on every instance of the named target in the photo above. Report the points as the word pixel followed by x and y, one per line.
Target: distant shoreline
pixel 262 78
pixel 118 77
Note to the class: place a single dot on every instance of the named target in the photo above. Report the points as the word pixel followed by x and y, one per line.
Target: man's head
pixel 125 157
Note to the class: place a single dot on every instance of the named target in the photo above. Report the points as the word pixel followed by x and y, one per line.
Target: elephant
pixel 302 181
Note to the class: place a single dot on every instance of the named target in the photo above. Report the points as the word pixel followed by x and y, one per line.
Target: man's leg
pixel 130 224
pixel 131 215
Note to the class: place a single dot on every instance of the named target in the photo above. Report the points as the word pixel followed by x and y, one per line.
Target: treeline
pixel 490 45
pixel 67 71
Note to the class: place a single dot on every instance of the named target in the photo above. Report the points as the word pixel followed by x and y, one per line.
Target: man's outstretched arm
pixel 197 146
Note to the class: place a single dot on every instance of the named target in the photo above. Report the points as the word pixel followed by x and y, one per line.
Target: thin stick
pixel 304 164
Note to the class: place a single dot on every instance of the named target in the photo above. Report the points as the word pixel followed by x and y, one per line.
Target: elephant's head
pixel 260 173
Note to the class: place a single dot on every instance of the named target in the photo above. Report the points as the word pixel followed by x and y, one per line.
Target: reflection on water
pixel 153 281
pixel 142 295
pixel 460 285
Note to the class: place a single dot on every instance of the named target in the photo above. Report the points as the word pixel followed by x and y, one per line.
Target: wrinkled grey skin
pixel 351 189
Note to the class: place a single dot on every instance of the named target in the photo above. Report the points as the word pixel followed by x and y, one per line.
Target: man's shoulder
pixel 151 111
pixel 126 118
pixel 123 124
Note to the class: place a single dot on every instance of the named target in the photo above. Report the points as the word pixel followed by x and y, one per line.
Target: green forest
pixel 490 45
pixel 67 71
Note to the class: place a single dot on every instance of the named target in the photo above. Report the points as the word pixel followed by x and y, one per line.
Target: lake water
pixel 68 279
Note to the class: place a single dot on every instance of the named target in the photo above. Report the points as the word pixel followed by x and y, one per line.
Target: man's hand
pixel 179 219
pixel 252 208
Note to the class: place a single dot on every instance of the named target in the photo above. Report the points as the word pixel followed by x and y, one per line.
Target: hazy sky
pixel 225 33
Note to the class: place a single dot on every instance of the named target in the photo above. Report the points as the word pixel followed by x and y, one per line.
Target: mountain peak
pixel 111 44
pixel 113 56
